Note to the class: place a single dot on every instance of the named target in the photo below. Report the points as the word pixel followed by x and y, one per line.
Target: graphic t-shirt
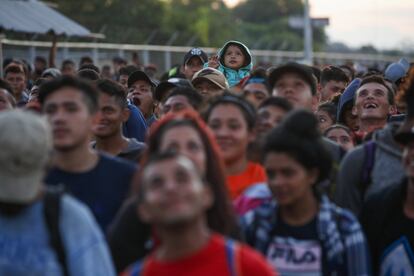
pixel 103 188
pixel 296 250
pixel 210 260
pixel 398 259
pixel 395 248
pixel 253 174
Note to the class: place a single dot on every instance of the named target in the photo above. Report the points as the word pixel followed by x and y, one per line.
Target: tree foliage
pixel 261 24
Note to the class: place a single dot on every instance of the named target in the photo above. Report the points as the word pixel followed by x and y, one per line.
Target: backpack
pixel 367 166
pixel 51 212
pixel 231 248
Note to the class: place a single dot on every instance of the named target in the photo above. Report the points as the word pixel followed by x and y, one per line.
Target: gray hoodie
pixel 387 170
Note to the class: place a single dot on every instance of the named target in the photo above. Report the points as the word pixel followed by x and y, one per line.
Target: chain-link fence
pixel 166 56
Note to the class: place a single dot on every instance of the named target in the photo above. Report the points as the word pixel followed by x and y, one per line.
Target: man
pixel 175 199
pixel 269 114
pixel 164 88
pixel 117 64
pixel 124 73
pixel 42 232
pixel 16 78
pixel 255 88
pixel 40 64
pixel 333 82
pixel 180 99
pixel 7 100
pixel 141 89
pixel 136 126
pixel 193 62
pixel 68 68
pixel 100 181
pixel 374 102
pixel 113 112
pixel 296 83
pixel 388 215
pixel 209 82
pixel 376 163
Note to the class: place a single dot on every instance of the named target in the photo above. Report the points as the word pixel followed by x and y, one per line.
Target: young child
pixel 234 61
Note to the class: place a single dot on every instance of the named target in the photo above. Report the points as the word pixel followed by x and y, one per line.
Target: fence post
pixel 167 60
pixel 2 36
pixel 145 57
pixel 32 54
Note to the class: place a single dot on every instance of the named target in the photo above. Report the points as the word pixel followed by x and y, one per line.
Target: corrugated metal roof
pixel 32 16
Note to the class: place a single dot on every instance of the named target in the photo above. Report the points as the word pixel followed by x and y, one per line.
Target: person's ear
pixel 354 111
pixel 143 213
pixel 96 116
pixel 392 110
pixel 252 135
pixel 208 196
pixel 315 102
pixel 125 114
pixel 319 87
pixel 313 176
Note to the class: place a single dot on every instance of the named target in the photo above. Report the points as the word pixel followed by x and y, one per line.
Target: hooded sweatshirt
pixel 235 76
pixel 386 171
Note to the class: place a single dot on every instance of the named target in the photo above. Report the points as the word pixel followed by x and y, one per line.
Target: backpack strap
pixel 368 165
pixel 232 260
pixel 52 202
pixel 137 269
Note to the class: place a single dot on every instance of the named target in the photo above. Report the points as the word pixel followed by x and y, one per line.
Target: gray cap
pixel 26 144
pixel 52 72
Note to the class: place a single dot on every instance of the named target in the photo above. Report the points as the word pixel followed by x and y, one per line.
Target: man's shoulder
pixel 115 163
pixel 386 197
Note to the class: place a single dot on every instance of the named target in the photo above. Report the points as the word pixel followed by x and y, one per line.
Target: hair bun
pixel 302 123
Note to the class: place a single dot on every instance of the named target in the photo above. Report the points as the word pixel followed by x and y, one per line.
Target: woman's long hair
pixel 220 216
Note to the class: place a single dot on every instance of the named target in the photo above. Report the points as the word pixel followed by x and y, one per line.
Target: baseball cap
pixel 52 72
pixel 195 52
pixel 140 75
pixel 292 67
pixel 26 144
pixel 164 86
pixel 394 72
pixel 212 75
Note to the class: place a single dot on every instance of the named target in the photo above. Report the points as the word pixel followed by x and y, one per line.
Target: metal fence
pixel 165 56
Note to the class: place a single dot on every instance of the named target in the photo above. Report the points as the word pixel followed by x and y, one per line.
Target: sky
pixel 385 24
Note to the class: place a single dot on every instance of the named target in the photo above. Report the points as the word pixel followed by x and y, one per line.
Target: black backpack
pixel 51 211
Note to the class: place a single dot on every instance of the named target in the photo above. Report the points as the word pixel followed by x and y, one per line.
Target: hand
pixel 213 61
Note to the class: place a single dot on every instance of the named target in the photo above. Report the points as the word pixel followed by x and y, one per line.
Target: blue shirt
pixel 103 188
pixel 25 248
pixel 136 126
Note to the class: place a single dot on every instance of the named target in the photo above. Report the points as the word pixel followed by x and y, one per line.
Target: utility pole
pixel 308 41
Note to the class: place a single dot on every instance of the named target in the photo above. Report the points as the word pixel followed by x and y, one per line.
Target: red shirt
pixel 210 260
pixel 253 174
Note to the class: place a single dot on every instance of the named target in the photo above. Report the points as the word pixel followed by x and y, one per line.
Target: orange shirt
pixel 253 174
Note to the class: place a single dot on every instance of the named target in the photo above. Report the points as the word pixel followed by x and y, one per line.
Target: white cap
pixel 26 143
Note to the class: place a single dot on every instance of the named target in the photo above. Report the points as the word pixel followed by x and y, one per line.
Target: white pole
pixel 1 54
pixel 308 35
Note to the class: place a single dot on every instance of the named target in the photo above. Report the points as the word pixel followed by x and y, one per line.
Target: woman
pixel 342 135
pixel 326 114
pixel 232 119
pixel 187 134
pixel 300 231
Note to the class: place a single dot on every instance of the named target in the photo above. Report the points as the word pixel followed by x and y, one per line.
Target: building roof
pixel 32 16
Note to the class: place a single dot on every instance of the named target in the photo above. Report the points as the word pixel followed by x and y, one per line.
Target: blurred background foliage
pixel 261 24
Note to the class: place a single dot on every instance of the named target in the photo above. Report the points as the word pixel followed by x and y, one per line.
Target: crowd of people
pixel 216 167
